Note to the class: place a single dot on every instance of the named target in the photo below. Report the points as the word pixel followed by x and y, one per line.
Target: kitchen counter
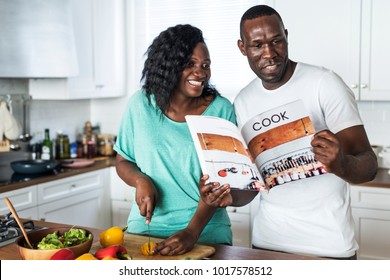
pixel 382 179
pixel 100 162
pixel 222 252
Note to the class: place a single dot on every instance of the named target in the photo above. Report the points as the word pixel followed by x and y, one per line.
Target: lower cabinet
pixel 29 213
pixel 122 197
pixel 82 200
pixel 240 220
pixel 77 200
pixel 80 210
pixel 24 201
pixel 371 213
pixel 120 212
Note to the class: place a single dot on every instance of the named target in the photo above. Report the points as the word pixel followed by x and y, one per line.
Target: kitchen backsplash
pixel 376 118
pixel 71 115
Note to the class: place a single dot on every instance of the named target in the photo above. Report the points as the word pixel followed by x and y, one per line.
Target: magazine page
pixel 279 141
pixel 222 152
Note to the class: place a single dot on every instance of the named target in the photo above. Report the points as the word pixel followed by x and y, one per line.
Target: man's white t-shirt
pixel 310 216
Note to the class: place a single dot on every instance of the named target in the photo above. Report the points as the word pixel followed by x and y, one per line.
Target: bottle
pixel 46 146
pixel 73 150
pixel 90 144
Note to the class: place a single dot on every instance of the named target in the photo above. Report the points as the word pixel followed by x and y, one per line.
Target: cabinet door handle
pixel 43 219
pixel 363 85
pixel 354 86
pixel 73 185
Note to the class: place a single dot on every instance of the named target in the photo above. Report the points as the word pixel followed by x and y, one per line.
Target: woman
pixel 156 154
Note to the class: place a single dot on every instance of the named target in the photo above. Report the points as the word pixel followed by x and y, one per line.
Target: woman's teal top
pixel 163 149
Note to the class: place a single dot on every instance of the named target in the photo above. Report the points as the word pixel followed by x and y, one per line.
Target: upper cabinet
pixel 99 29
pixel 347 37
pixel 375 46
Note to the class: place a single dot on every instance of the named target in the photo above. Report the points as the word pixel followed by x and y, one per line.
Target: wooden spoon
pixel 11 207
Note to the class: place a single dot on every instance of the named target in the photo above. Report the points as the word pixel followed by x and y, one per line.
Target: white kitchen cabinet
pixel 81 210
pixel 24 201
pixel 70 186
pixel 29 213
pixel 122 197
pixel 80 200
pixel 120 212
pixel 99 29
pixel 241 227
pixel 344 36
pixel 371 212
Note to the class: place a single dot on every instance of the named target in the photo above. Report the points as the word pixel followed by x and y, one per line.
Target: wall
pixel 107 113
pixel 376 118
pixel 68 116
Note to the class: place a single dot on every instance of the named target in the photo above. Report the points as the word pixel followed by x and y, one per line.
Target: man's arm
pixel 347 154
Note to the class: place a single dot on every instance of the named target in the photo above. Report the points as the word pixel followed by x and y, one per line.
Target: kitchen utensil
pixel 34 166
pixel 133 243
pixel 25 137
pixel 36 236
pixel 106 144
pixel 14 147
pixel 13 211
pixel 77 163
pixel 149 236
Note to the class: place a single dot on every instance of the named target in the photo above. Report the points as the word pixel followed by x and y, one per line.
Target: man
pixel 310 216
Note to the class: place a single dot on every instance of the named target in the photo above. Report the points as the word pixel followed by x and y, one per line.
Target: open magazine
pixel 272 148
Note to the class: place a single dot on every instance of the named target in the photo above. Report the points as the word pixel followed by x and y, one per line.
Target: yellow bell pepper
pixel 87 257
pixel 147 248
pixel 112 236
pixel 109 259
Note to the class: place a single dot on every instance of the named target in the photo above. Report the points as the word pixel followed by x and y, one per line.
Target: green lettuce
pixel 69 238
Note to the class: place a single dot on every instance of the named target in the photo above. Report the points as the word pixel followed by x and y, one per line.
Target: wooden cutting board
pixel 134 242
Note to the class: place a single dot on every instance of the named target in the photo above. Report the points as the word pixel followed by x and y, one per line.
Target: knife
pixel 149 237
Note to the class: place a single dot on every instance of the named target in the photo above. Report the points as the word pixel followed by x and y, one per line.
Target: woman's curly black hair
pixel 167 57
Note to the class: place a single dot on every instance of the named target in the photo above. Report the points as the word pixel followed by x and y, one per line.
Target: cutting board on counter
pixel 133 243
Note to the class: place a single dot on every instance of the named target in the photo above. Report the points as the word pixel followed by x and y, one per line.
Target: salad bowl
pixel 82 243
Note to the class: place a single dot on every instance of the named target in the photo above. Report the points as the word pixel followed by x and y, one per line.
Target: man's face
pixel 264 42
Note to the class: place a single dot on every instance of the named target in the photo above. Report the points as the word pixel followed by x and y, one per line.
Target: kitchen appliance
pixel 34 166
pixel 384 154
pixel 10 231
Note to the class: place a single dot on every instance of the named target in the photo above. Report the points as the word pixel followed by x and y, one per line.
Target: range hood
pixel 36 39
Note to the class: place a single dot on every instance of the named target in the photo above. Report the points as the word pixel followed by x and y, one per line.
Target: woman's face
pixel 196 74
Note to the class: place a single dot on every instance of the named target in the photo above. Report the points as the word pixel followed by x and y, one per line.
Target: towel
pixel 9 126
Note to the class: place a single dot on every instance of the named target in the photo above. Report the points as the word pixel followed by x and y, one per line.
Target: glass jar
pixel 63 150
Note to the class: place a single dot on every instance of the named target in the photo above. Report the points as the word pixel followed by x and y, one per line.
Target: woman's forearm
pixel 201 218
